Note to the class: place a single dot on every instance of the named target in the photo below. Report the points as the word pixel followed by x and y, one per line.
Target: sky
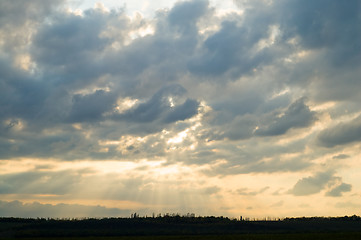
pixel 226 108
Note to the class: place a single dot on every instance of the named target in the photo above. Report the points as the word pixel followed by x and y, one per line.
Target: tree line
pixel 171 224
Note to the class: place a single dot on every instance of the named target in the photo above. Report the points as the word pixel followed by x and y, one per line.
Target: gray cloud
pixel 90 107
pixel 184 15
pixel 328 23
pixel 68 40
pixel 230 49
pixel 36 209
pixel 298 115
pixel 246 192
pixel 311 185
pixel 240 128
pixel 182 112
pixel 341 156
pixel 338 190
pixel 242 67
pixel 160 107
pixel 318 182
pixel 341 134
pixel 228 82
pixel 57 183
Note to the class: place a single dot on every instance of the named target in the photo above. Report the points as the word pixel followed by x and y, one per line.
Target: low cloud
pixel 91 107
pixel 341 156
pixel 311 185
pixel 298 115
pixel 338 190
pixel 341 134
pixel 36 209
pixel 247 192
pixel 161 107
pixel 318 182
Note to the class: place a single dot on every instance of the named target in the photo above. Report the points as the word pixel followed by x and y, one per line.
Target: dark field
pixel 177 227
pixel 294 236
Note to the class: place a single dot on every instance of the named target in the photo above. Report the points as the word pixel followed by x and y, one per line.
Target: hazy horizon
pixel 225 108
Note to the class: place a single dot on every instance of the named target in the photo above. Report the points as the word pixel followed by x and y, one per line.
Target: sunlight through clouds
pixel 201 106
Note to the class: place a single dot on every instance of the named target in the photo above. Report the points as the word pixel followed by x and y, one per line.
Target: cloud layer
pixel 264 88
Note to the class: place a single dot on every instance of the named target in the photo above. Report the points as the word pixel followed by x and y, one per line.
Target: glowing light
pixel 142 32
pixel 125 104
pixel 179 138
pixel 282 92
pixel 274 32
pixel 100 6
pixel 323 106
pixel 171 102
pixel 23 62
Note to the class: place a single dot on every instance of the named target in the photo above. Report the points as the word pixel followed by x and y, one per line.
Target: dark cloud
pixel 57 183
pixel 184 15
pixel 36 209
pixel 212 190
pixel 240 162
pixel 240 128
pixel 298 115
pixel 247 192
pixel 328 23
pixel 91 107
pixel 159 107
pixel 234 72
pixel 68 39
pixel 341 134
pixel 341 156
pixel 21 95
pixel 182 112
pixel 312 185
pixel 18 13
pixel 18 20
pixel 338 190
pixel 318 182
pixel 230 49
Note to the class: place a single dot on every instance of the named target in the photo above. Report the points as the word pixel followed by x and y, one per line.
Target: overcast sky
pixel 226 108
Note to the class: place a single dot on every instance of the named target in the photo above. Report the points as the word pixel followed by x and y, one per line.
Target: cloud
pixel 338 190
pixel 182 112
pixel 318 182
pixel 36 209
pixel 185 14
pixel 327 24
pixel 341 134
pixel 71 43
pixel 246 192
pixel 90 107
pixel 58 183
pixel 230 50
pixel 298 115
pixel 341 156
pixel 160 107
pixel 240 128
pixel 311 185
pixel 223 92
pixel 212 190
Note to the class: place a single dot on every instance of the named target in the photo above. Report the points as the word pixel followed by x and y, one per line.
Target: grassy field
pixel 293 236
